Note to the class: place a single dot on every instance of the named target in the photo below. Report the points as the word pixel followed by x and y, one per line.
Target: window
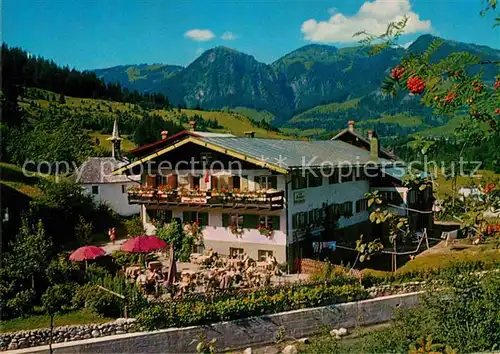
pixel 346 174
pixel 247 221
pixel 299 181
pixel 300 220
pixel 233 252
pixel 315 181
pixel 263 254
pixel 334 177
pixel 390 196
pixel 361 205
pixel 195 182
pixel 266 182
pixel 346 209
pixel 240 182
pixel 160 216
pixel 270 221
pixel 193 216
pixel 124 188
pixel 412 197
pixel 160 179
pixel 95 189
pixel 206 159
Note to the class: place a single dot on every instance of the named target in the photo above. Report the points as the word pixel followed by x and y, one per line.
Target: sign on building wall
pixel 198 200
pixel 299 197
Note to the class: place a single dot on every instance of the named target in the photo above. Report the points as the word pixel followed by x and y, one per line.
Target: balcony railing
pixel 249 200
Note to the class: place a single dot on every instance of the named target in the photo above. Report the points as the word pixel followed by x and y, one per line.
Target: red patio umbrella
pixel 143 244
pixel 86 253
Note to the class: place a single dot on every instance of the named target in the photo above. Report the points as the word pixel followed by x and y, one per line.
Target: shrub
pixel 126 259
pixel 91 297
pixel 235 306
pixel 427 267
pixel 134 226
pixel 338 275
pixel 22 303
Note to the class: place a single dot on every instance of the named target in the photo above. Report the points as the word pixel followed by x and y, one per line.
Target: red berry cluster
pixel 497 84
pixel 415 85
pixel 450 97
pixel 397 72
pixel 497 110
pixel 477 86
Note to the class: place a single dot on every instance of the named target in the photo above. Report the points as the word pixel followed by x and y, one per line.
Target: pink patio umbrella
pixel 86 253
pixel 143 244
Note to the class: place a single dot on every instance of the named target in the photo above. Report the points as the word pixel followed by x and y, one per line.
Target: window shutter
pixel 230 182
pixel 257 183
pixel 172 181
pixel 274 182
pixel 203 219
pixel 225 220
pixel 214 182
pixel 250 221
pixel 150 181
pixel 244 183
pixel 191 181
pixel 275 219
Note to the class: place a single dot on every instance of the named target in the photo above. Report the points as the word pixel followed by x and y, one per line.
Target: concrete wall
pixel 112 195
pixel 240 334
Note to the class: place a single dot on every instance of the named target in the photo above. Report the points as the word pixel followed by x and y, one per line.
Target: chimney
pixel 370 134
pixel 164 134
pixel 250 134
pixel 192 123
pixel 374 146
pixel 350 125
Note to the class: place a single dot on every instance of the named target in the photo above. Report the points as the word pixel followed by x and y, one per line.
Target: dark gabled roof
pixel 387 154
pixel 276 154
pixel 291 153
pixel 157 145
pixel 97 170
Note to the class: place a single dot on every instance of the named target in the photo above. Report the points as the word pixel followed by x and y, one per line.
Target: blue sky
pixel 89 34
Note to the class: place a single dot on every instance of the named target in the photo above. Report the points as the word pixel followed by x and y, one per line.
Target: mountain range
pixel 299 88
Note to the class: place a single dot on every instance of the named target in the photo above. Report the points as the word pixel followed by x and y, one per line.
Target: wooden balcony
pixel 208 199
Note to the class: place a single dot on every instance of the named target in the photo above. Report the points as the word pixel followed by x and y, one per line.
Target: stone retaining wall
pixel 254 331
pixel 38 337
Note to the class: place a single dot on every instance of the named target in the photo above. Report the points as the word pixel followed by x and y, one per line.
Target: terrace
pixel 234 199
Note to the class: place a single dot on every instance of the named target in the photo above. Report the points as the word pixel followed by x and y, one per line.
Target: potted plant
pixel 265 231
pixel 236 230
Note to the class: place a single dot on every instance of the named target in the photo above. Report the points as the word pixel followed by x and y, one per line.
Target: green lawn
pixel 43 321
pixel 444 186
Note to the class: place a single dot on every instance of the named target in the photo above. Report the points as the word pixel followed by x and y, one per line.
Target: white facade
pixel 114 195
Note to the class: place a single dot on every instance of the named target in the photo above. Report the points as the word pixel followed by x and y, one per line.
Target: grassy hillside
pixel 231 122
pixel 234 123
pixel 323 111
pixel 23 182
pixel 404 120
pixel 252 113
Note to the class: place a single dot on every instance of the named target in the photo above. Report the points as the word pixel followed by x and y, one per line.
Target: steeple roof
pixel 115 136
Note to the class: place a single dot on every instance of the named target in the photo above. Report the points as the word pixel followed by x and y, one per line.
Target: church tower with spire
pixel 115 141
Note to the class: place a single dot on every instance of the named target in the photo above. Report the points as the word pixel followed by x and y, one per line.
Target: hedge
pixel 199 312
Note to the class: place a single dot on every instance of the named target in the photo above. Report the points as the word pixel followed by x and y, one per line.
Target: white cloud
pixel 372 16
pixel 199 35
pixel 228 36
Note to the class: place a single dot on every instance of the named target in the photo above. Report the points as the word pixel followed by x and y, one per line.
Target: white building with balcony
pixel 260 196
